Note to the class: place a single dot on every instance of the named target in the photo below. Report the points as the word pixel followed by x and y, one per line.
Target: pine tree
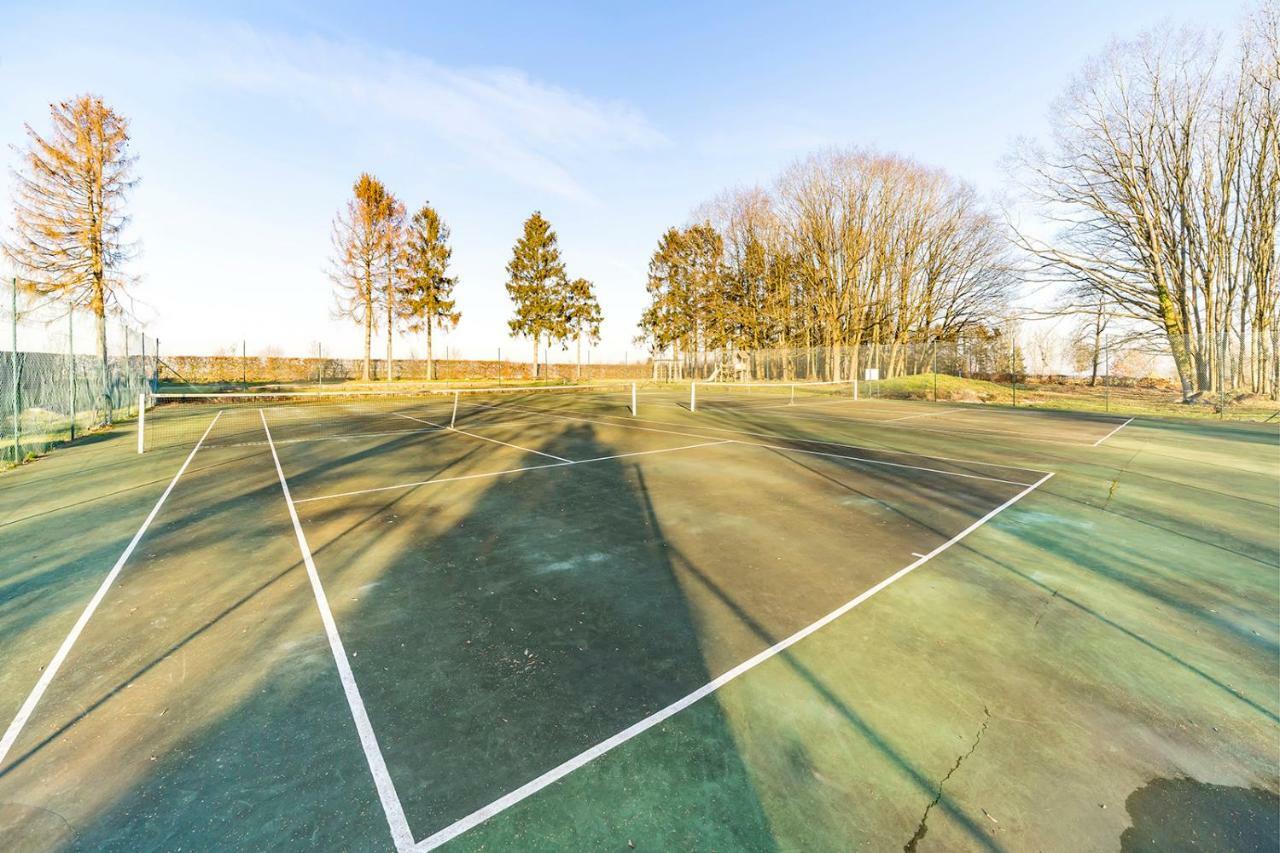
pixel 360 256
pixel 536 284
pixel 426 294
pixel 582 315
pixel 69 220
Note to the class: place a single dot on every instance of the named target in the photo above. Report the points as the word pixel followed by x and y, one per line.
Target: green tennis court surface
pixel 782 619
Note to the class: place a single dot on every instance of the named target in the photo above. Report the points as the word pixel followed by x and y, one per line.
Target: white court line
pixel 33 699
pixel 505 802
pixel 921 415
pixel 339 437
pixel 814 441
pixel 958 429
pixel 511 471
pixel 481 437
pixel 1113 432
pixel 894 464
pixel 400 832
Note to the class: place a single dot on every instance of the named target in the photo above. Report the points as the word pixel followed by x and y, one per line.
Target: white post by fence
pixel 634 411
pixel 693 396
pixel 454 418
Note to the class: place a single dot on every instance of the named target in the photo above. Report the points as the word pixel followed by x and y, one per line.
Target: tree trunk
pixel 579 356
pixel 100 320
pixel 390 335
pixel 537 339
pixel 431 361
pixel 368 341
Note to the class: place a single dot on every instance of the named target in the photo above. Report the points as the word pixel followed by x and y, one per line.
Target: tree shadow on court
pixel 112 666
pixel 929 788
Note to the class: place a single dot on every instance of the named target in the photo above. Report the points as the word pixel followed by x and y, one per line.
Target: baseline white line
pixel 819 453
pixel 510 471
pixel 921 415
pixel 338 437
pixel 1113 432
pixel 499 805
pixel 37 692
pixel 401 835
pixel 481 437
pixel 956 429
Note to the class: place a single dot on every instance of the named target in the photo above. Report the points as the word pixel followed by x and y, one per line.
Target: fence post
pixel 1106 375
pixel 128 369
pixel 17 394
pixel 71 366
pixel 935 371
pixel 1013 366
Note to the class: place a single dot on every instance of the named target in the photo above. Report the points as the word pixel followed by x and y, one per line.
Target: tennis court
pixel 548 617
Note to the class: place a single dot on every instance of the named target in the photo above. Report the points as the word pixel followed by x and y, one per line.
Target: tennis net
pixel 703 395
pixel 230 419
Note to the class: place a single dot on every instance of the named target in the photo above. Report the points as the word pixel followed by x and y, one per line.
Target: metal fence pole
pixel 71 366
pixel 1106 374
pixel 935 371
pixel 17 394
pixel 128 370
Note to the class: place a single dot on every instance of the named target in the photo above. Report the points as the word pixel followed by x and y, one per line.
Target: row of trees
pixel 846 248
pixel 393 271
pixel 1161 184
pixel 1164 173
pixel 388 266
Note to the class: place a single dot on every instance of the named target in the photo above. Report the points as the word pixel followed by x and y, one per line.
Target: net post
pixel 453 419
pixel 792 400
pixel 693 396
pixel 142 421
pixel 634 412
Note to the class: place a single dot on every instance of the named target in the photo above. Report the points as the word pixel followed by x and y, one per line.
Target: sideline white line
pixel 481 437
pixel 499 805
pixel 400 832
pixel 33 699
pixel 735 431
pixel 510 471
pixel 954 429
pixel 877 462
pixel 1113 432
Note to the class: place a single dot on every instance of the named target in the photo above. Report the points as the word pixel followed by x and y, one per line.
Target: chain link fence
pixel 55 383
pixel 1221 377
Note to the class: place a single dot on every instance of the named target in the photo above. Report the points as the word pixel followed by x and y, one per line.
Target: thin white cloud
pixel 527 130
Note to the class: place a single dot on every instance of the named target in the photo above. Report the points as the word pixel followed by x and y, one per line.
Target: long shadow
pixel 505 626
pixel 768 638
pixel 182 549
pixel 1058 595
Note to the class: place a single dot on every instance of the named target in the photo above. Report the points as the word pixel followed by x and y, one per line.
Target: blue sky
pixel 252 120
